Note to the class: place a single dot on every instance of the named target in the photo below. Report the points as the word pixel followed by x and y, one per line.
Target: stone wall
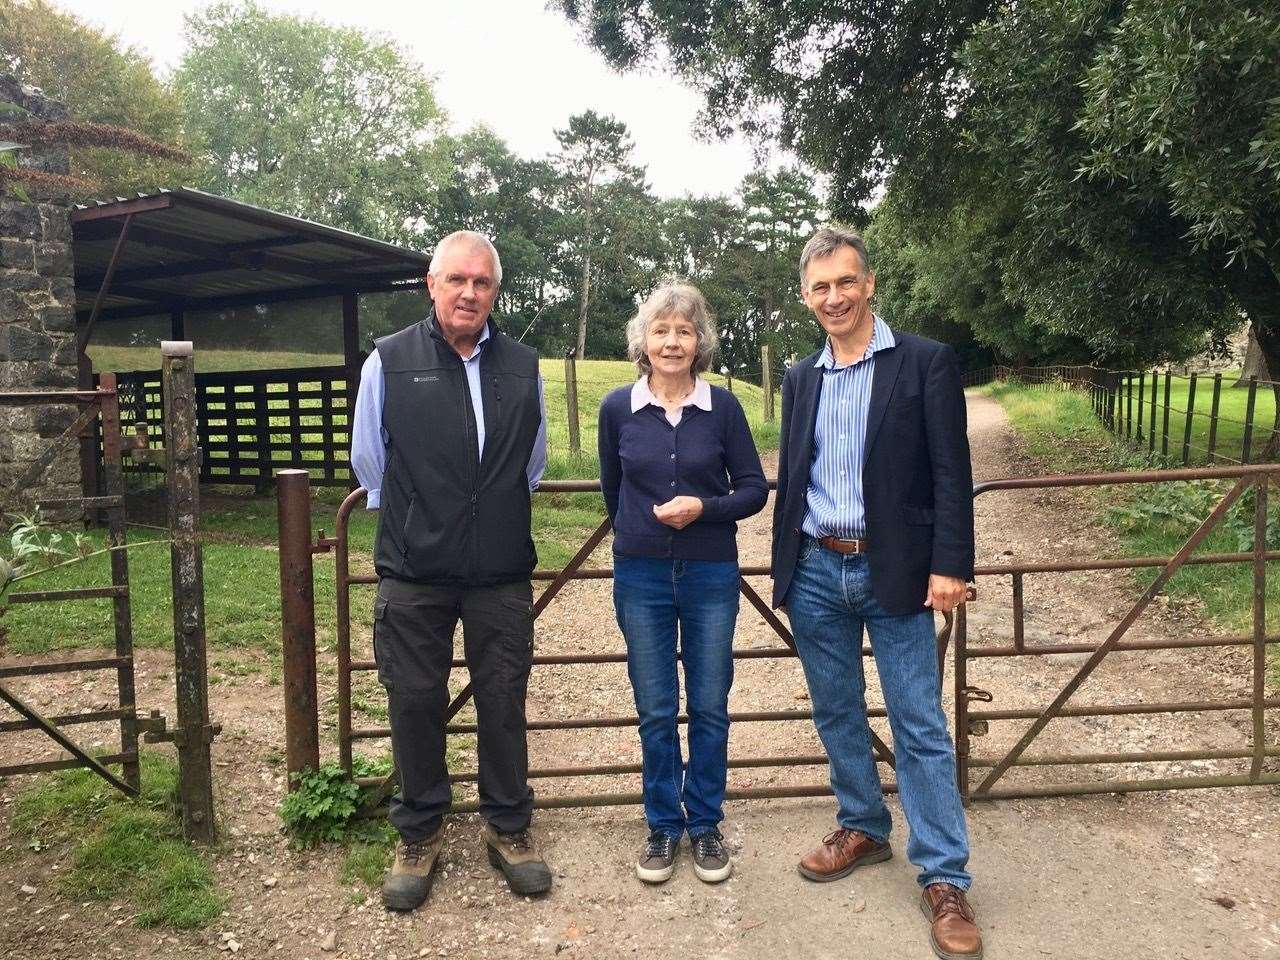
pixel 37 315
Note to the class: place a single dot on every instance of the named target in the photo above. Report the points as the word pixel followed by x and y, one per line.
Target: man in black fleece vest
pixel 449 438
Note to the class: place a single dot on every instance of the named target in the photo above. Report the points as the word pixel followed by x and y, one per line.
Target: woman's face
pixel 671 343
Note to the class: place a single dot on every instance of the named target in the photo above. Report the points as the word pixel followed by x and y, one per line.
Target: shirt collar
pixel 881 339
pixel 642 396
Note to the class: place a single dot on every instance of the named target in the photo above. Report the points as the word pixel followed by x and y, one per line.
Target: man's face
pixel 463 290
pixel 838 290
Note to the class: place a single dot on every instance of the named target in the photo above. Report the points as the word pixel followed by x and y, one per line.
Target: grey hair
pixel 827 240
pixel 475 240
pixel 674 299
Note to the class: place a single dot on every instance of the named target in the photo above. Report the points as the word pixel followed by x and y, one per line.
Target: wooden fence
pixel 251 423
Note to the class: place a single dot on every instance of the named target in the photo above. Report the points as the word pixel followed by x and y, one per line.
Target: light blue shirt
pixel 369 439
pixel 834 506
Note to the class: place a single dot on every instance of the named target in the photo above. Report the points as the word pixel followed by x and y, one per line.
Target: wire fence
pixel 1205 417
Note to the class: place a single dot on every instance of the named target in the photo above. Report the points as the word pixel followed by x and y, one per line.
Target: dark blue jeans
pixel 697 599
pixel 829 603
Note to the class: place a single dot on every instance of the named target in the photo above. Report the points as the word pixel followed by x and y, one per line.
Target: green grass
pixel 1062 432
pixel 125 359
pixel 367 860
pixel 120 848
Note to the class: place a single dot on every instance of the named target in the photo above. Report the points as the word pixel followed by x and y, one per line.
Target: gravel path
pixel 1162 875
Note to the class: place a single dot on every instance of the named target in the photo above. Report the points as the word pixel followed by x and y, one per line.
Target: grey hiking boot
pixel 658 858
pixel 409 882
pixel 711 857
pixel 517 856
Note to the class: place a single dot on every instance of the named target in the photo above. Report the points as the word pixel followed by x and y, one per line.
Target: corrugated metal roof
pixel 191 250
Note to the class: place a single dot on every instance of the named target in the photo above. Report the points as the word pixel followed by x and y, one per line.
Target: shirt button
pixel 673 483
pixel 673 456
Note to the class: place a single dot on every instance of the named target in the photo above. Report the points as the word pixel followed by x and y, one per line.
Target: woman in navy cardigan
pixel 678 468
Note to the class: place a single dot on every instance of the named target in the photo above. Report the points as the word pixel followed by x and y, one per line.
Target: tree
pixel 594 162
pixel 854 89
pixel 318 121
pixel 100 81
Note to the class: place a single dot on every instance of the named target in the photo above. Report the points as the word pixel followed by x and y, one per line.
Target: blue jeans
pixel 653 598
pixel 828 603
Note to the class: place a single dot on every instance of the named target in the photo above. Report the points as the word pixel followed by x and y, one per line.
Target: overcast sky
pixel 509 63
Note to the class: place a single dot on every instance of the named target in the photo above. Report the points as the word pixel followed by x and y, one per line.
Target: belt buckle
pixel 855 545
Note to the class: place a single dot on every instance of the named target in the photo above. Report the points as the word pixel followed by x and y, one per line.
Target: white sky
pixel 508 63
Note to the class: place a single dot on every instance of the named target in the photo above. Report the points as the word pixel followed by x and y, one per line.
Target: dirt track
pixel 1093 877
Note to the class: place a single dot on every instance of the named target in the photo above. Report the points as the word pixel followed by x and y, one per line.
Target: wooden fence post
pixel 1186 433
pixel 1247 444
pixel 1164 435
pixel 571 399
pixel 182 458
pixel 766 379
pixel 1213 415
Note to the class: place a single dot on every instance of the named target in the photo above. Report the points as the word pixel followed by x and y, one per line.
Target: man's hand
pixel 945 593
pixel 678 512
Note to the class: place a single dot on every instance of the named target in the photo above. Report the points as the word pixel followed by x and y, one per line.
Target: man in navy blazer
pixel 873 527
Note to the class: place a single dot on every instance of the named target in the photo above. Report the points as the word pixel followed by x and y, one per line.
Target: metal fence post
pixel 298 623
pixel 1164 435
pixel 1142 380
pixel 1151 430
pixel 182 461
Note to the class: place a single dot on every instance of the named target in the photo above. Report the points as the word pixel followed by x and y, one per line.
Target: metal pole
pixel 1246 446
pixel 1259 625
pixel 182 463
pixel 1164 436
pixel 1142 379
pixel 298 623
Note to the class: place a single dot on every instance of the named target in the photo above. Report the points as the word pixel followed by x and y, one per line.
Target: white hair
pixel 474 240
pixel 673 299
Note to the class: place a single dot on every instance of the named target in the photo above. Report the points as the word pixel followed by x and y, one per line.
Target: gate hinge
pixel 323 544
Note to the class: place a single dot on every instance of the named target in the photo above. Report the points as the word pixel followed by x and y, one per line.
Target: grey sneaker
pixel 407 885
pixel 710 857
pixel 517 856
pixel 658 858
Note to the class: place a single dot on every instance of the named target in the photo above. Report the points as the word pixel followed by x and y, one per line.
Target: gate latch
pixel 977 726
pixel 154 730
pixel 323 544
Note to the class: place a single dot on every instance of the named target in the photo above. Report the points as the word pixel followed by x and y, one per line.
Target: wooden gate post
pixel 766 379
pixel 182 464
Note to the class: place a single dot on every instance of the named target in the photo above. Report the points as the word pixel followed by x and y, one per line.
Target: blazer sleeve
pixel 948 444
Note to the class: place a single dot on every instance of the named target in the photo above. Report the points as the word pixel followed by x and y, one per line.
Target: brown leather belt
pixel 843 546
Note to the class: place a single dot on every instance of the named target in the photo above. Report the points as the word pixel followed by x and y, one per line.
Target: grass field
pixel 1062 431
pixel 242 568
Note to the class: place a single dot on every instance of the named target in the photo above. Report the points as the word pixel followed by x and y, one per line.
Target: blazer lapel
pixel 888 363
pixel 807 409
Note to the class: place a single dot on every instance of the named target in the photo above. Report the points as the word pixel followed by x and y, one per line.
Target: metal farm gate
pixel 302 730
pixel 180 461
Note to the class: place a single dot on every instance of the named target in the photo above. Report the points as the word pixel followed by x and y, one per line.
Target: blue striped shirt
pixel 833 503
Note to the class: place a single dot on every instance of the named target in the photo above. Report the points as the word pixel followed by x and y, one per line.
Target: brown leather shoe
pixel 954 933
pixel 840 853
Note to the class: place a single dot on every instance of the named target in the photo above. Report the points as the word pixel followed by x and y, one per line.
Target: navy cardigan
pixel 645 461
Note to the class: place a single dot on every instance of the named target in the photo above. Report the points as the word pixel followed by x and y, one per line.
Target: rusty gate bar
pixel 100 403
pixel 194 734
pixel 973 722
pixel 113 481
pixel 297 623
